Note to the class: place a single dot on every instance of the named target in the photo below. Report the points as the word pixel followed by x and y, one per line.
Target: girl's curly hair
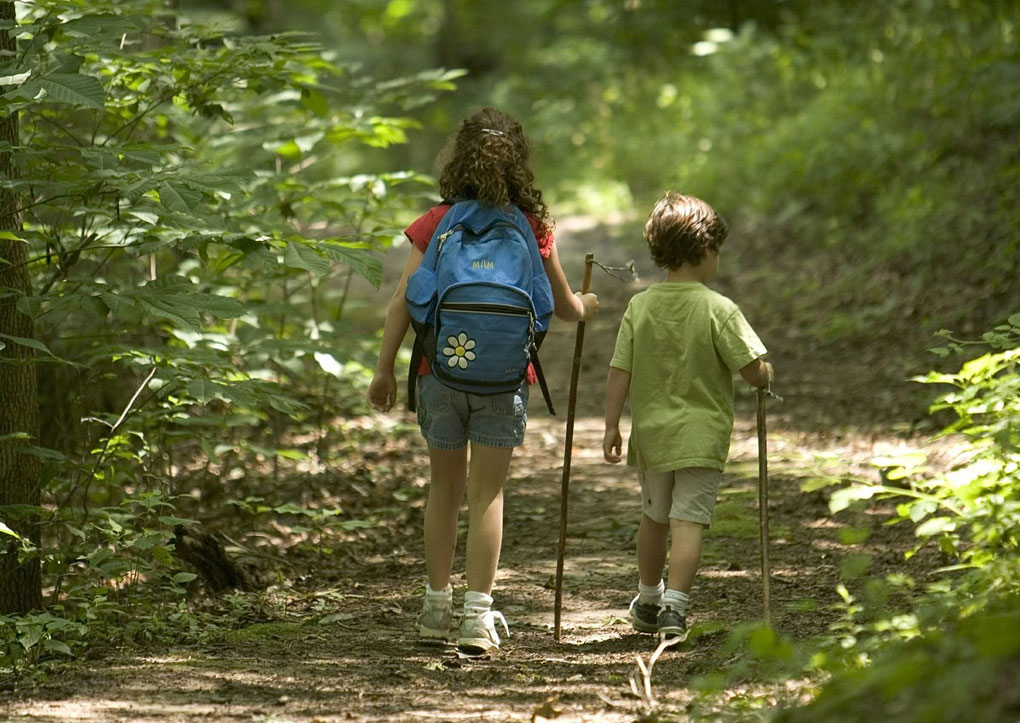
pixel 682 229
pixel 487 160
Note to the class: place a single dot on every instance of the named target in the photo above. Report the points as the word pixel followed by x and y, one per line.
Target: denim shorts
pixel 449 419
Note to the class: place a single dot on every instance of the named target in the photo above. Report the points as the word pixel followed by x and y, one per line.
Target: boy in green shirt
pixel 677 350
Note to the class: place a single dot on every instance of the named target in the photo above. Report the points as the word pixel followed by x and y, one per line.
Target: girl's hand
pixel 589 305
pixel 612 445
pixel 382 392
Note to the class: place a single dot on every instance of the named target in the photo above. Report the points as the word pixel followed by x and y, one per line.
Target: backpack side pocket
pixel 420 296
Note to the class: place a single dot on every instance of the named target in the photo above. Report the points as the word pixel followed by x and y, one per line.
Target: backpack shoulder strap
pixel 541 380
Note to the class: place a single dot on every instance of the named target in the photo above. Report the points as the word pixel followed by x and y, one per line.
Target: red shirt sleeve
pixel 420 232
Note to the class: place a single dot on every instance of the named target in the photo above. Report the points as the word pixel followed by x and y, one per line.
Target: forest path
pixel 344 648
pixel 349 651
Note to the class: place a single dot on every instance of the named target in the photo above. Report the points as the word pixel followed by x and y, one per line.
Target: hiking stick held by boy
pixel 481 281
pixel 677 350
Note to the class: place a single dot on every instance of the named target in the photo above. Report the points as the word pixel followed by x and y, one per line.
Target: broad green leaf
pixel 91 26
pixel 300 256
pixel 56 646
pixel 364 263
pixel 177 197
pixel 935 526
pixel 203 390
pixel 69 88
pixel 166 307
pixel 15 79
pixel 32 343
pixel 854 565
pixel 222 307
pixel 843 498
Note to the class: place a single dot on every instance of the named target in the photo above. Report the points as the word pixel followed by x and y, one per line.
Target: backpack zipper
pixel 441 239
pixel 486 308
pixel 498 309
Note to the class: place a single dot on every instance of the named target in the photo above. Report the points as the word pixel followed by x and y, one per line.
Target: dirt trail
pixel 349 651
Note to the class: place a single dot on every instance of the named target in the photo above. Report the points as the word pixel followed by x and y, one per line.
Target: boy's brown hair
pixel 487 160
pixel 682 229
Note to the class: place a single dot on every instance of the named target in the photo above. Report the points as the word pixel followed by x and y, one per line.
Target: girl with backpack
pixel 486 161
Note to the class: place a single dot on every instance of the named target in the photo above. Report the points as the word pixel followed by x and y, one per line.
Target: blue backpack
pixel 480 302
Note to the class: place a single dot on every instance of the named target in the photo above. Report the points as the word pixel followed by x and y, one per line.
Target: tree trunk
pixel 20 584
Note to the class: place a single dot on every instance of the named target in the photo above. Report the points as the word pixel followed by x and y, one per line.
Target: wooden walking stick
pixel 763 507
pixel 567 449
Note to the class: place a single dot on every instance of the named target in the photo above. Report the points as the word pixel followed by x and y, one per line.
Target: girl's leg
pixel 489 469
pixel 684 554
pixel 446 490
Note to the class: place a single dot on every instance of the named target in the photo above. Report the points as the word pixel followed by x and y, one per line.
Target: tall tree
pixel 20 583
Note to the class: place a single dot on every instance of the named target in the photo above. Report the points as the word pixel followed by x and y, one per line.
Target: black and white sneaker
pixel 671 625
pixel 644 616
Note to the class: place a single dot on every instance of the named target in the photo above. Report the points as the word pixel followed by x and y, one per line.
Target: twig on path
pixel 645 673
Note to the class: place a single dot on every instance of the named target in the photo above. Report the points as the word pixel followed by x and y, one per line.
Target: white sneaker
pixel 434 620
pixel 478 632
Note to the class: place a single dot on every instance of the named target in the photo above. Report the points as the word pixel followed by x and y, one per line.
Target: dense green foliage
pixel 951 652
pixel 194 219
pixel 871 149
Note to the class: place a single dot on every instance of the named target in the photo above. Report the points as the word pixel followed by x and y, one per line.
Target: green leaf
pixel 15 79
pixel 32 343
pixel 300 256
pixel 56 646
pixel 70 88
pixel 177 197
pixel 92 26
pixel 183 577
pixel 364 263
pixel 935 526
pixel 841 499
pixel 854 565
pixel 168 307
pixel 222 307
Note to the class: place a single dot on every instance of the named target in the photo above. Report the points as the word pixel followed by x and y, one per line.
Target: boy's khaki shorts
pixel 684 494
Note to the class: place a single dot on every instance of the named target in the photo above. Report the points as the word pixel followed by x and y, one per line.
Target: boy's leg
pixel 446 491
pixel 651 550
pixel 653 534
pixel 488 473
pixel 684 557
pixel 684 554
pixel 694 497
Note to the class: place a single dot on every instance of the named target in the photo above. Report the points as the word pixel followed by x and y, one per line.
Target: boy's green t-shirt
pixel 682 344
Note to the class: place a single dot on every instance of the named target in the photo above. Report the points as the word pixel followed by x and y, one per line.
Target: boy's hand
pixel 612 445
pixel 758 373
pixel 382 392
